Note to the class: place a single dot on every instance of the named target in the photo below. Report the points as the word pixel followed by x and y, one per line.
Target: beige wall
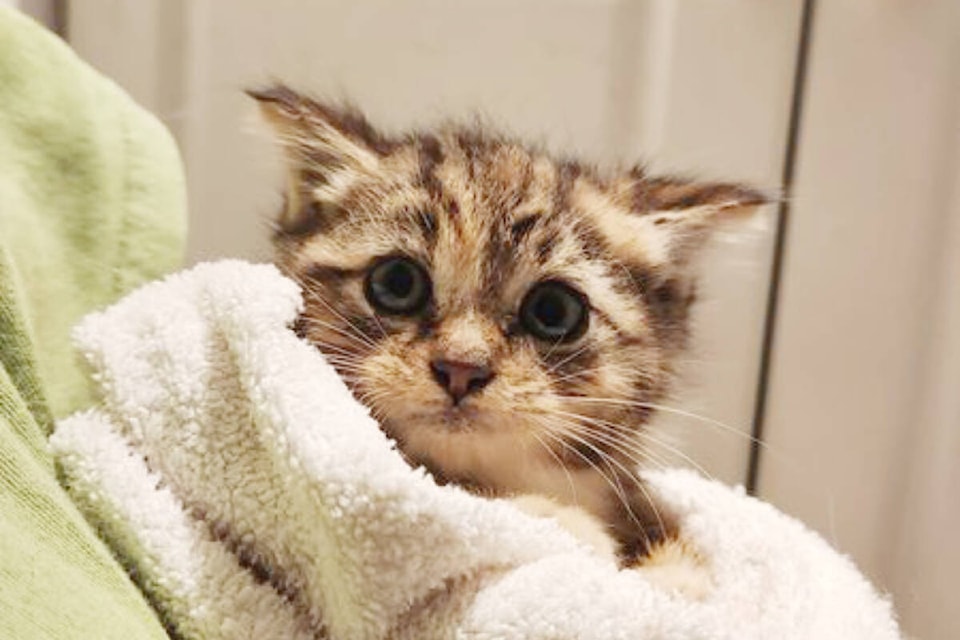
pixel 863 416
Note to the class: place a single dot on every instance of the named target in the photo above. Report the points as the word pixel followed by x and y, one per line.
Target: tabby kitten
pixel 509 317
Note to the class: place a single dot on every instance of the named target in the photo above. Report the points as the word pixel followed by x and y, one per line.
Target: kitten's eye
pixel 554 311
pixel 398 286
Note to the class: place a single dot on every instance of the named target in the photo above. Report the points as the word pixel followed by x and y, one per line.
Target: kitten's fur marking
pixel 488 218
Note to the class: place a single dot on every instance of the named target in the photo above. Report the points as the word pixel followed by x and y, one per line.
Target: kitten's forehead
pixel 487 218
pixel 476 210
pixel 485 181
pixel 482 190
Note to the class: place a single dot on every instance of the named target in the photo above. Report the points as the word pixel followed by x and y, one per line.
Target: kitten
pixel 509 317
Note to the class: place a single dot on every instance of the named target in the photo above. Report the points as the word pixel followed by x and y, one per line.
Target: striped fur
pixel 488 218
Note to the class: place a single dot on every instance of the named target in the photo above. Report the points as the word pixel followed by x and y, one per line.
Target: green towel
pixel 92 204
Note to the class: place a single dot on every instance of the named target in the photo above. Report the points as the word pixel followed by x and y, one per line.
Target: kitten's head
pixel 508 316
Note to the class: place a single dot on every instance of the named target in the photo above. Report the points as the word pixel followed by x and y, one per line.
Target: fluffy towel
pixel 252 497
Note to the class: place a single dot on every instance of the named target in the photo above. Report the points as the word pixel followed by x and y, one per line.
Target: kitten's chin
pixel 506 461
pixel 471 448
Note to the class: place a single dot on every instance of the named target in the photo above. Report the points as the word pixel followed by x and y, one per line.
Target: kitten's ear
pixel 664 221
pixel 326 148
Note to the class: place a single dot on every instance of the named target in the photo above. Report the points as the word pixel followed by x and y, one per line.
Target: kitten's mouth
pixel 460 416
pixel 447 419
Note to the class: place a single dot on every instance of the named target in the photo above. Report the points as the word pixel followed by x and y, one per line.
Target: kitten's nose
pixel 460 379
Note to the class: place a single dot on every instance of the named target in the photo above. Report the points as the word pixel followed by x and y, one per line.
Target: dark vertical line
pixel 60 12
pixel 780 243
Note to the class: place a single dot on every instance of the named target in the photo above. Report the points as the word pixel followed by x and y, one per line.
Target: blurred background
pixel 829 332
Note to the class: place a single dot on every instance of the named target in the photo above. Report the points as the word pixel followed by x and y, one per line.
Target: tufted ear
pixel 664 221
pixel 326 148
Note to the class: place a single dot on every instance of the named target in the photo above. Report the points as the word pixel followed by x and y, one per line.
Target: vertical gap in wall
pixel 780 241
pixel 59 14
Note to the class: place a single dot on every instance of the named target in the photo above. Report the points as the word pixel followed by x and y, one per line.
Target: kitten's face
pixel 508 318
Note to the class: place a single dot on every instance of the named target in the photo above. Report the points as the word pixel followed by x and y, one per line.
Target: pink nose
pixel 460 379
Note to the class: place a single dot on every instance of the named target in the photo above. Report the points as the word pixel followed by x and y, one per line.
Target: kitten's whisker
pixel 566 472
pixel 570 356
pixel 666 409
pixel 383 332
pixel 676 451
pixel 578 374
pixel 634 453
pixel 341 367
pixel 369 399
pixel 339 316
pixel 632 474
pixel 643 453
pixel 578 423
pixel 615 429
pixel 553 346
pixel 360 340
pixel 336 349
pixel 617 488
pixel 335 358
pixel 628 372
pixel 310 290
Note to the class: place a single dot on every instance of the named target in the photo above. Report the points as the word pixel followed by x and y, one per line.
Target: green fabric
pixel 92 203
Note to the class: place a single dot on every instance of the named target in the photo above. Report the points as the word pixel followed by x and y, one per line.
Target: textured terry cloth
pixel 254 498
pixel 92 203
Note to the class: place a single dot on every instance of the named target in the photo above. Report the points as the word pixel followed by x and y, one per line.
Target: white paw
pixel 581 524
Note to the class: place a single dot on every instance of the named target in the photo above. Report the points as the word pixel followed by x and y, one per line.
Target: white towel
pixel 250 496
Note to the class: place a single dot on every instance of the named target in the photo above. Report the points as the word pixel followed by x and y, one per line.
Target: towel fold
pixel 251 496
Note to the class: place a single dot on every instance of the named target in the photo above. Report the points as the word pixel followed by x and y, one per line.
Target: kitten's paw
pixel 675 566
pixel 581 524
